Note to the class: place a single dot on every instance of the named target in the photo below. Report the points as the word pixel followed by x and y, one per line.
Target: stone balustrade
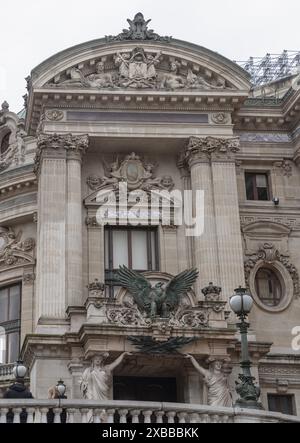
pixel 79 411
pixel 6 370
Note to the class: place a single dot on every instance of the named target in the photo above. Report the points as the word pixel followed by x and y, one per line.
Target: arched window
pixel 268 287
pixel 10 315
pixel 5 143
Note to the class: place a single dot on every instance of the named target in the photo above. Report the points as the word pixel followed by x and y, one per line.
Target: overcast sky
pixel 33 30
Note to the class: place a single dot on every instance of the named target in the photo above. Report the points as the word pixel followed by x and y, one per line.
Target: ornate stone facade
pixel 165 117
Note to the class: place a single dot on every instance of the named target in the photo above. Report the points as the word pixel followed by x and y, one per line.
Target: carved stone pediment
pixel 261 232
pixel 14 251
pixel 140 68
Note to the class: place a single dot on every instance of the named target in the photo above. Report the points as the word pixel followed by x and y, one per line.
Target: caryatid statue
pixel 216 382
pixel 98 378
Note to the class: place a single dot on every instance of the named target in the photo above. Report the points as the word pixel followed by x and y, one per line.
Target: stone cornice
pixel 53 145
pixel 207 149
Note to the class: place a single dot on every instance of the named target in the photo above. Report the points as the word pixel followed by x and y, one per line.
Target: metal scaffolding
pixel 272 67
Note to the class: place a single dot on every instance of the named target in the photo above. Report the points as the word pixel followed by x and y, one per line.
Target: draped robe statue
pixel 98 378
pixel 216 382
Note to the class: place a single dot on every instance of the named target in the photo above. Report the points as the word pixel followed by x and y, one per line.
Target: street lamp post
pixel 241 303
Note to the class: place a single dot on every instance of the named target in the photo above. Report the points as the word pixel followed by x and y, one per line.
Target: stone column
pixel 205 246
pixel 53 210
pixel 227 216
pixel 74 221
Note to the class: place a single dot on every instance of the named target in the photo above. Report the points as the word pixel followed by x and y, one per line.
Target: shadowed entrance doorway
pixel 145 389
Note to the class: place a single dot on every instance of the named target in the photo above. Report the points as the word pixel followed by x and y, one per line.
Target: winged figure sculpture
pixel 160 299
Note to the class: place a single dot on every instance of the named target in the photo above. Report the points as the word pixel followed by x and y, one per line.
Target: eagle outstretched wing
pixel 137 285
pixel 179 286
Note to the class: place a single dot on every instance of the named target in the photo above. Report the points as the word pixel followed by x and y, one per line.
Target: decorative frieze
pixel 254 137
pixel 292 223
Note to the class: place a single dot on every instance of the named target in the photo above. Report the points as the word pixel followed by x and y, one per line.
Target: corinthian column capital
pixel 60 146
pixel 207 149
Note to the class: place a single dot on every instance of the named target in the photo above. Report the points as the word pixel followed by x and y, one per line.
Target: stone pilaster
pixel 204 246
pixel 218 252
pixel 55 176
pixel 228 229
pixel 74 221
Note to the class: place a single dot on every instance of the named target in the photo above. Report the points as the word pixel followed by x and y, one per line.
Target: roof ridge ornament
pixel 138 30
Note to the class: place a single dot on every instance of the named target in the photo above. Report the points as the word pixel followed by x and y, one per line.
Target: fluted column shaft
pixel 205 246
pixel 59 224
pixel 74 230
pixel 218 253
pixel 228 228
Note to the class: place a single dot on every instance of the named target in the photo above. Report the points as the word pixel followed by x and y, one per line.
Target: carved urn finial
pixel 138 30
pixel 5 106
pixel 96 289
pixel 212 292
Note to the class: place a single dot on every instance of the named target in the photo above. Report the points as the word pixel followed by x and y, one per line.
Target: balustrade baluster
pixel 159 416
pixel 111 416
pixel 171 417
pixel 17 412
pixel 3 414
pixel 135 416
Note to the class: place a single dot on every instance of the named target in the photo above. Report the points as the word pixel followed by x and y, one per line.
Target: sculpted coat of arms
pixel 137 174
pixel 137 70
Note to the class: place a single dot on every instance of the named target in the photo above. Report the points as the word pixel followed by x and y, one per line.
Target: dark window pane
pixel 257 186
pixel 13 346
pixel 281 403
pixel 268 287
pixel 5 143
pixel 263 194
pixel 3 305
pixel 135 248
pixel 14 303
pixel 2 346
pixel 249 186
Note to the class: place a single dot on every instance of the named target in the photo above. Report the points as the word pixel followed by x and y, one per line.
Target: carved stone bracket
pixel 211 149
pixel 29 279
pixel 269 255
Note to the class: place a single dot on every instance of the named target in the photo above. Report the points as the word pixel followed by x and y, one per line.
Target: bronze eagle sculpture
pixel 158 300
